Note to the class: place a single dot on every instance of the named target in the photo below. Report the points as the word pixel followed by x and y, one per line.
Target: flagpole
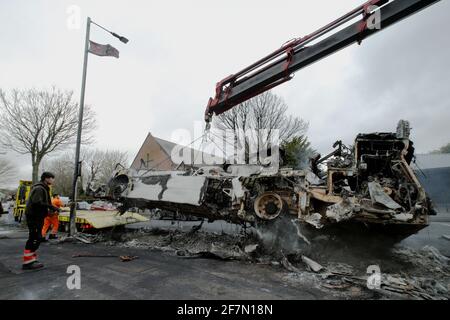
pixel 77 167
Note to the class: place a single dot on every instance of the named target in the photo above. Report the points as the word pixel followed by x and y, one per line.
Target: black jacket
pixel 39 202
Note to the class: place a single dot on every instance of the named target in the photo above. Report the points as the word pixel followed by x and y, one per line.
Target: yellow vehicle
pixel 21 199
pixel 23 191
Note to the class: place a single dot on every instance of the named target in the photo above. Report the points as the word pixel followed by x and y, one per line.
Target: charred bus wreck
pixel 370 184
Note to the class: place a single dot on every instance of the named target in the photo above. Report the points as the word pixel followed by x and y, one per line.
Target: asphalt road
pixel 432 235
pixel 158 275
pixel 154 275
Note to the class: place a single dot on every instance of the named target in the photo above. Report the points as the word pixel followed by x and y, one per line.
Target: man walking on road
pixel 38 207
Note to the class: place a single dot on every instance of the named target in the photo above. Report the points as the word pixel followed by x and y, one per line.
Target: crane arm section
pixel 278 67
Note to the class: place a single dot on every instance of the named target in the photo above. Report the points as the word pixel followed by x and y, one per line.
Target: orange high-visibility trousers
pixel 50 220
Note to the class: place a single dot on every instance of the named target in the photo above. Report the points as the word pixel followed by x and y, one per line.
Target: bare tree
pixel 97 168
pixel 265 113
pixel 92 160
pixel 7 171
pixel 39 122
pixel 110 160
pixel 62 167
pixel 443 149
pixel 100 164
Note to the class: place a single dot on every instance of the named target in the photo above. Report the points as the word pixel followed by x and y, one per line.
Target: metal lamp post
pixel 77 168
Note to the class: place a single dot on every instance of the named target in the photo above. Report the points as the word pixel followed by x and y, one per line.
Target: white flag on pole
pixel 103 49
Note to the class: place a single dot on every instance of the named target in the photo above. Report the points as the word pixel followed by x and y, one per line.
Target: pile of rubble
pixel 191 244
pixel 429 277
pixel 405 273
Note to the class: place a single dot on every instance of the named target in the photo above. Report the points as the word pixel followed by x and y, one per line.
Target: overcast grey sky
pixel 178 50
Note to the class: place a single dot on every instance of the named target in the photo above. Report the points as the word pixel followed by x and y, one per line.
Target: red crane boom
pixel 278 67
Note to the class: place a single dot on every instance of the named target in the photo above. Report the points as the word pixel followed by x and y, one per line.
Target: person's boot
pixel 52 236
pixel 43 239
pixel 32 266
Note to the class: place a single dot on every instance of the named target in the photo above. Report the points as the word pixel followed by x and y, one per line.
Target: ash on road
pixel 219 262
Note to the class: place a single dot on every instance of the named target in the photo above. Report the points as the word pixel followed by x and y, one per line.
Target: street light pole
pixel 121 38
pixel 77 168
